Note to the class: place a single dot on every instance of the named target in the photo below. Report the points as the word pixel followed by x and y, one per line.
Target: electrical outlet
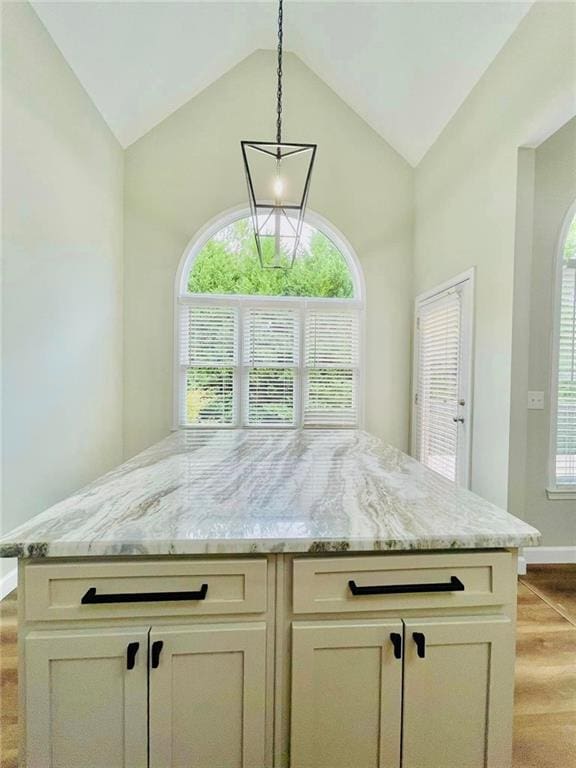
pixel 535 401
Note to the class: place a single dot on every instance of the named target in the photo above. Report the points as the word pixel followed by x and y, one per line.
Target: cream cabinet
pixel 413 693
pixel 193 695
pixel 458 689
pixel 87 698
pixel 328 660
pixel 346 685
pixel 207 696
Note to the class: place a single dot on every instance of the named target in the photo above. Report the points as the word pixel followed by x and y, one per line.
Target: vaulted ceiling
pixel 404 67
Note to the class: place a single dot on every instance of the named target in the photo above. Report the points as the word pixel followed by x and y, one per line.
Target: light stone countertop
pixel 241 491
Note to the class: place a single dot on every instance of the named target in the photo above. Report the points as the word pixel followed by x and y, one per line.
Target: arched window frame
pixel 557 490
pixel 183 297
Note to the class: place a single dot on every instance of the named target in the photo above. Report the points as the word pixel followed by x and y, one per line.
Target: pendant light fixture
pixel 278 176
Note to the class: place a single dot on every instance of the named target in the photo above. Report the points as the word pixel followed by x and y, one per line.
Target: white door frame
pixel 465 281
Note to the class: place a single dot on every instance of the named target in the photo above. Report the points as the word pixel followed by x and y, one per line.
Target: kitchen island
pixel 258 598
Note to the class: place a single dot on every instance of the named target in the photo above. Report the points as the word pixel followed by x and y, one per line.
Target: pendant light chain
pixel 279 73
pixel 278 179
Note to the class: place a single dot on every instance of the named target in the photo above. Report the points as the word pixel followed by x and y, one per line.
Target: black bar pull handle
pixel 131 652
pixel 396 639
pixel 420 640
pixel 454 585
pixel 91 598
pixel 157 646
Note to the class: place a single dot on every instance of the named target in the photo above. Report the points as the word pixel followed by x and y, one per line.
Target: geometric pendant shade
pixel 278 177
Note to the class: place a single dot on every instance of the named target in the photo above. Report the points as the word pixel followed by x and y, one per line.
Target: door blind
pixel 331 368
pixel 566 395
pixel 271 356
pixel 437 386
pixel 208 362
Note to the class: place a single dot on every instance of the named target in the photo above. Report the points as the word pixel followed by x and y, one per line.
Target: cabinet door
pixel 85 708
pixel 346 695
pixel 207 696
pixel 458 697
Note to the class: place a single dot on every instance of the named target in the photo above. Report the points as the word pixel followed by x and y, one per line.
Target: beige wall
pixel 554 194
pixel 188 170
pixel 62 277
pixel 466 209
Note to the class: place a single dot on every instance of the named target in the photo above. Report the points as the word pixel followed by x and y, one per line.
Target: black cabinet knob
pixel 396 639
pixel 157 646
pixel 131 652
pixel 420 640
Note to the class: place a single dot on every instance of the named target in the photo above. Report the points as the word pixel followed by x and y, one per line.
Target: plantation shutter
pixel 208 343
pixel 566 395
pixel 331 362
pixel 271 356
pixel 437 386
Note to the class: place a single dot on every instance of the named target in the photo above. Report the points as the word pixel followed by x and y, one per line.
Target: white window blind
pixel 208 360
pixel 566 392
pixel 271 356
pixel 437 385
pixel 331 364
pixel 245 361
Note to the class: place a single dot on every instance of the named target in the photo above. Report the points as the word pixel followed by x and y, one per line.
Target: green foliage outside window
pixel 209 395
pixel 228 263
pixel 570 245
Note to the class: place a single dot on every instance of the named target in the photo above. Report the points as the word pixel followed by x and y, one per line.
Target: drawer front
pixel 392 582
pixel 152 588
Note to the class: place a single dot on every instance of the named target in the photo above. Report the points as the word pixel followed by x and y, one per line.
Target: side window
pixel 564 424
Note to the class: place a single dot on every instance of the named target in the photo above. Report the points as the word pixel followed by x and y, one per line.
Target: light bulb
pixel 278 187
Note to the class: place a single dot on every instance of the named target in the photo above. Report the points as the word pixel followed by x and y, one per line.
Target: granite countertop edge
pixel 44 550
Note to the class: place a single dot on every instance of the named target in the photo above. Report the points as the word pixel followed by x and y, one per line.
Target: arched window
pixel 268 347
pixel 564 392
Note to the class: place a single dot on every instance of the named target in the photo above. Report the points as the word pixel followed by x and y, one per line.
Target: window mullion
pixel 241 370
pixel 299 384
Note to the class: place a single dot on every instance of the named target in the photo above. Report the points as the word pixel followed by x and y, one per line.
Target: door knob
pixel 458 419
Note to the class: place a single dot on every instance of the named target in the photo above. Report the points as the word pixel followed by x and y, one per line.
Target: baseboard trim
pixel 543 555
pixel 8 583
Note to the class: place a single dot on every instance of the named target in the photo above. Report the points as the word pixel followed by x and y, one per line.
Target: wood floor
pixel 8 682
pixel 545 711
pixel 545 706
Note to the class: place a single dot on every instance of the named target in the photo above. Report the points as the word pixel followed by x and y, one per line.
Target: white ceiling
pixel 405 67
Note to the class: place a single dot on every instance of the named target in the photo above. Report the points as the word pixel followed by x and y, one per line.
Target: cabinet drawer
pixel 324 585
pixel 147 588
